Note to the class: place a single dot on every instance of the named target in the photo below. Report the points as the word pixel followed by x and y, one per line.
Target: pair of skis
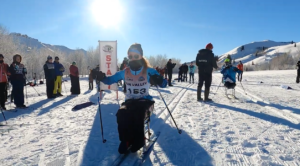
pixel 142 154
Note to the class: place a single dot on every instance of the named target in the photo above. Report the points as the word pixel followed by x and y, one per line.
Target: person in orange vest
pixel 240 66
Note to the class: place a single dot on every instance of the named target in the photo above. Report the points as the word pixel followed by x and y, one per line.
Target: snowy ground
pixel 260 128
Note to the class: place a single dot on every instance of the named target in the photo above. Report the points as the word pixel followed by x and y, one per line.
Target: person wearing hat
pixel 59 69
pixel 3 81
pixel 74 75
pixel 206 62
pixel 131 115
pixel 298 71
pixel 49 69
pixel 229 74
pixel 18 80
pixel 240 66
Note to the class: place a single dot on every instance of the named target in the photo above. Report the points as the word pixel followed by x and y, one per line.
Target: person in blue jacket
pixel 59 69
pixel 229 74
pixel 131 115
pixel 192 69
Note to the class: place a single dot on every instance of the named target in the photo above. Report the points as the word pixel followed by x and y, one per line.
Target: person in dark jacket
pixel 170 67
pixel 59 69
pixel 185 71
pixel 180 72
pixel 74 75
pixel 18 80
pixel 298 72
pixel 49 70
pixel 206 62
pixel 91 84
pixel 95 72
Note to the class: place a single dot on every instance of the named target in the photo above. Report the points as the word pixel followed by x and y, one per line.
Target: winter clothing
pixel 3 83
pixel 180 73
pixel 91 84
pixel 74 75
pixel 49 70
pixel 240 66
pixel 170 67
pixel 229 74
pixel 209 46
pixel 130 119
pixel 137 48
pixel 59 69
pixel 185 71
pixel 17 77
pixel 206 62
pixel 131 115
pixel 192 69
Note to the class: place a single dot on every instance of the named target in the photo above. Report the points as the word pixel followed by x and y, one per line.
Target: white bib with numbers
pixel 137 86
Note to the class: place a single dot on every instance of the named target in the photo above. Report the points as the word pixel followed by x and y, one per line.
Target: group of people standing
pixel 54 73
pixel 183 71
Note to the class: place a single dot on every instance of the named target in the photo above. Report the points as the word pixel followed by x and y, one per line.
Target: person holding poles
pixel 130 116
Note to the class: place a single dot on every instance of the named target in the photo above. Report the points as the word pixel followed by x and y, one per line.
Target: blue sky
pixel 176 28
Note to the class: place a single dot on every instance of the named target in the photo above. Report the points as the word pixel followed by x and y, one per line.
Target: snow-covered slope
pixel 260 128
pixel 27 43
pixel 271 49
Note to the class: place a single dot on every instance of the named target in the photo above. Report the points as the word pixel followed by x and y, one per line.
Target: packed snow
pixel 272 49
pixel 260 127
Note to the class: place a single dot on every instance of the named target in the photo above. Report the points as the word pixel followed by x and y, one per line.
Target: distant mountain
pixel 28 43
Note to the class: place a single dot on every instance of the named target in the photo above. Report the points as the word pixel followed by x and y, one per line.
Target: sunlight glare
pixel 107 13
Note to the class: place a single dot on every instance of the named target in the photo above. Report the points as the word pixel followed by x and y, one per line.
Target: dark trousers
pixel 170 78
pixel 192 77
pixel 205 77
pixel 91 85
pixel 18 92
pixel 3 93
pixel 75 86
pixel 180 77
pixel 130 119
pixel 240 76
pixel 50 87
pixel 229 85
pixel 185 76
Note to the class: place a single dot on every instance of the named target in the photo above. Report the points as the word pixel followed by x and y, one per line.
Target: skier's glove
pixel 24 70
pixel 101 76
pixel 156 79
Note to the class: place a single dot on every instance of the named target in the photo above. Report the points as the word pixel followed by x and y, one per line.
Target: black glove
pixel 235 69
pixel 156 79
pixel 100 76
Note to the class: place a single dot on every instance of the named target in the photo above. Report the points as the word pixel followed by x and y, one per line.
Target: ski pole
pixel 219 86
pixel 179 131
pixel 3 114
pixel 243 88
pixel 26 94
pixel 99 108
pixel 34 89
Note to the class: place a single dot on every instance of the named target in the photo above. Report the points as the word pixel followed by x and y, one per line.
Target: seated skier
pixel 229 74
pixel 131 115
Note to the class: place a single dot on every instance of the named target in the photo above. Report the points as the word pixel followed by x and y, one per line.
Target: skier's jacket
pixel 229 73
pixel 192 68
pixel 170 67
pixel 181 68
pixel 59 69
pixel 240 67
pixel 49 70
pixel 298 65
pixel 74 71
pixel 205 61
pixel 135 79
pixel 4 72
